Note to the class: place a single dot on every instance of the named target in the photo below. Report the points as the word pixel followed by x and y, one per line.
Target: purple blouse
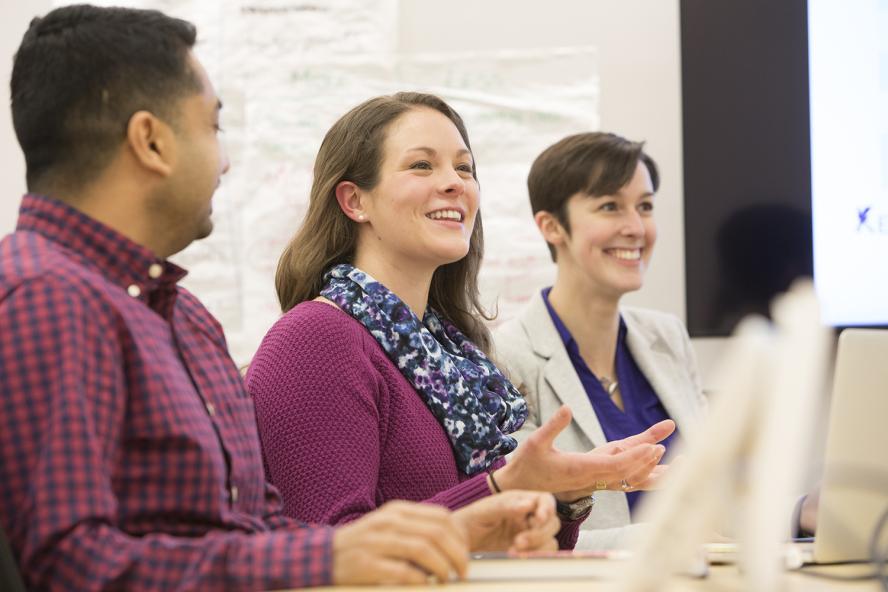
pixel 641 405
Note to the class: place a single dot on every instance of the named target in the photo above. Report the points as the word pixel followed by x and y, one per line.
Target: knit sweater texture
pixel 343 431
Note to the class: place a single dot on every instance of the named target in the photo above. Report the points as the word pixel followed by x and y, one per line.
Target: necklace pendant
pixel 609 385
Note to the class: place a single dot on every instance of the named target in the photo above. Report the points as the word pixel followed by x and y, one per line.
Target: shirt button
pixel 233 494
pixel 211 409
pixel 155 271
pixel 134 290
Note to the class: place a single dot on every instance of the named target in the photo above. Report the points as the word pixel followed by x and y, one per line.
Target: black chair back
pixel 10 580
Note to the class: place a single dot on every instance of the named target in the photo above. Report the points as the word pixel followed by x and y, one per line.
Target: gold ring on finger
pixel 600 484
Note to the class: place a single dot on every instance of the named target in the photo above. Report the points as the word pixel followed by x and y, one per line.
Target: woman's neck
pixel 592 318
pixel 410 283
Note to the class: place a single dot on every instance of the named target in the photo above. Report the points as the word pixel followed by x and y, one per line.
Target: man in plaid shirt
pixel 129 457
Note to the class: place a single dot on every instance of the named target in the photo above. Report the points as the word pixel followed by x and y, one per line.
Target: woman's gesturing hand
pixel 628 464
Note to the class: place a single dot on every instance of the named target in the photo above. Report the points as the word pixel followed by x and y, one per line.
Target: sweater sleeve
pixel 463 494
pixel 569 533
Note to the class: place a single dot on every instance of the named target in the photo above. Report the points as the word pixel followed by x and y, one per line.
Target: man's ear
pixel 551 229
pixel 349 197
pixel 151 142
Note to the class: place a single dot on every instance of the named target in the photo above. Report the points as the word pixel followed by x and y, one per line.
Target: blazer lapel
pixel 558 371
pixel 657 362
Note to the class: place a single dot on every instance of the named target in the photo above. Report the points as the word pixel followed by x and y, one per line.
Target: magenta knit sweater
pixel 343 431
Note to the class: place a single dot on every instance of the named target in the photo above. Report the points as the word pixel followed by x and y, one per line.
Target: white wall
pixel 16 16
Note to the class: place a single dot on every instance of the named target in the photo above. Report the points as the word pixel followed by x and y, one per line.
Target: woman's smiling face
pixel 612 237
pixel 424 205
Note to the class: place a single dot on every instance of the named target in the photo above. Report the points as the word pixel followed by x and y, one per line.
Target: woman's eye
pixel 646 206
pixel 608 207
pixel 465 168
pixel 421 165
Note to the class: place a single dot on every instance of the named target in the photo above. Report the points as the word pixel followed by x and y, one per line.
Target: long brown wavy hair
pixel 353 150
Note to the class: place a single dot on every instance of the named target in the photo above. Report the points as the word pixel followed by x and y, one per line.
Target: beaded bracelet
pixel 496 487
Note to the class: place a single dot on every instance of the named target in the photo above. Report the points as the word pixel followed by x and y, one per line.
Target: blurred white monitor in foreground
pixel 746 463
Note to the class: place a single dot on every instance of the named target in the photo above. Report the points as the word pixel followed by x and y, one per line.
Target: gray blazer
pixel 530 349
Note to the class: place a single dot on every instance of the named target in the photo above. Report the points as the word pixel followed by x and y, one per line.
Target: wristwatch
pixel 576 509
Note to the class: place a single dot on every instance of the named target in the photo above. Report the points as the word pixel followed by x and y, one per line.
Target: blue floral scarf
pixel 477 406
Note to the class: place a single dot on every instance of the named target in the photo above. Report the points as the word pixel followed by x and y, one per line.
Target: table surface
pixel 722 578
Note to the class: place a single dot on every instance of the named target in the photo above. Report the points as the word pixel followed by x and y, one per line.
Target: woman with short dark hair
pixel 621 369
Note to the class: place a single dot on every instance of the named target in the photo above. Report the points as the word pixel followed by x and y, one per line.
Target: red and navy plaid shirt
pixel 129 457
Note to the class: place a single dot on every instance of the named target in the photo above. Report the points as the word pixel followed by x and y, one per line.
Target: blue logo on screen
pixel 862 216
pixel 870 221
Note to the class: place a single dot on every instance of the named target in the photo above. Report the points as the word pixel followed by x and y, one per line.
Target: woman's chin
pixel 447 256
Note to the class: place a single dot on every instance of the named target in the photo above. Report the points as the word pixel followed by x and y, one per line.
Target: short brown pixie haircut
pixel 594 163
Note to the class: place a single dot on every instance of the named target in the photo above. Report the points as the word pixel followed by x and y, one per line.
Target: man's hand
pixel 511 521
pixel 400 543
pixel 538 465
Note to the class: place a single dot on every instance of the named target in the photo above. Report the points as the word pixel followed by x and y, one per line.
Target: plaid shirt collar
pixel 126 263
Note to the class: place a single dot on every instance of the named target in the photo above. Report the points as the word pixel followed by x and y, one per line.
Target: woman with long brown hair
pixel 374 384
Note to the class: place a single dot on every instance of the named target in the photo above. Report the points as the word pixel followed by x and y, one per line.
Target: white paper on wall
pixel 286 71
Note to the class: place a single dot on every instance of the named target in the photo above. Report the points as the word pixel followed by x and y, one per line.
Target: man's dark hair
pixel 594 163
pixel 79 75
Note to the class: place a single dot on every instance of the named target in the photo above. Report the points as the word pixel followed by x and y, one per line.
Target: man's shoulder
pixel 31 258
pixel 47 290
pixel 200 316
pixel 191 303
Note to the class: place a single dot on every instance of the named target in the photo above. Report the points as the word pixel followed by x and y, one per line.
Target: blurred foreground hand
pixel 400 543
pixel 511 521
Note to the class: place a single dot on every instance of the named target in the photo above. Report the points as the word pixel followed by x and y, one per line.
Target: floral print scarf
pixel 477 406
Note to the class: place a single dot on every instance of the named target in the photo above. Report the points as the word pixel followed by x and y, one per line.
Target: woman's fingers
pixel 641 478
pixel 607 469
pixel 545 508
pixel 538 464
pixel 544 436
pixel 538 539
pixel 653 479
pixel 540 526
pixel 656 433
